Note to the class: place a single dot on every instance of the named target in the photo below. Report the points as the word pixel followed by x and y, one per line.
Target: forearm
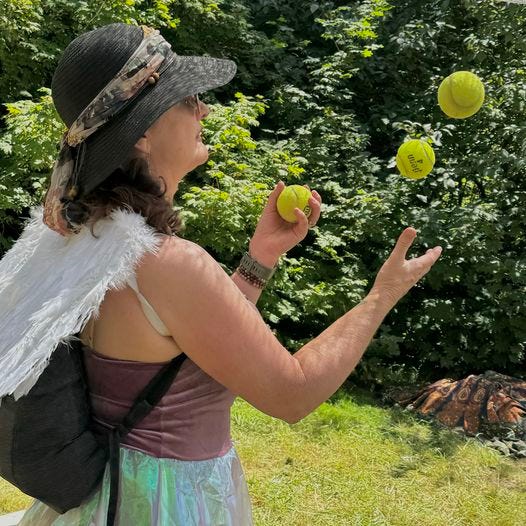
pixel 327 360
pixel 252 292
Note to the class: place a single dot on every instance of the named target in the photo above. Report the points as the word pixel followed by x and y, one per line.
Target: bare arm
pixel 328 359
pixel 216 327
pixel 347 338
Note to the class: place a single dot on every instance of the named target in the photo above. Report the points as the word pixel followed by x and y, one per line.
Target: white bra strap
pixel 132 282
pixel 148 310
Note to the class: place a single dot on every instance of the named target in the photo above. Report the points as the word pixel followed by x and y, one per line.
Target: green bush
pixel 324 95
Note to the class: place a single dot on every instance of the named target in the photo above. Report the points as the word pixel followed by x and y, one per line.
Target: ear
pixel 142 146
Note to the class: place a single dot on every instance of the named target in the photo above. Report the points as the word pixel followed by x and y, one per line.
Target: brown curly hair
pixel 131 187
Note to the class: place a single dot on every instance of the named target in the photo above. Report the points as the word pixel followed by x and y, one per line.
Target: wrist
pixel 255 272
pixel 263 257
pixel 382 298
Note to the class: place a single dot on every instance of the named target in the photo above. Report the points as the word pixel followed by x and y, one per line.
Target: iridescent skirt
pixel 162 492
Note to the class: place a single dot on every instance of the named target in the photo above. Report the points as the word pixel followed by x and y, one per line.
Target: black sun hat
pixel 91 61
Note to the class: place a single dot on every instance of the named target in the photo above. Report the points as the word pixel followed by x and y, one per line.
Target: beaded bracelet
pixel 253 280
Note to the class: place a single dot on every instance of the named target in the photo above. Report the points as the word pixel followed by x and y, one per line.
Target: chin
pixel 201 154
pixel 197 163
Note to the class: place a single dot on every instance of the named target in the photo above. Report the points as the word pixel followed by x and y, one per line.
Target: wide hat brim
pixel 110 146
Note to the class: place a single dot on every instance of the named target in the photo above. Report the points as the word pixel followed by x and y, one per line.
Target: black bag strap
pixel 144 403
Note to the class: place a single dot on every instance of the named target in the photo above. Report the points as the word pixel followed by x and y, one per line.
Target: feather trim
pixel 51 285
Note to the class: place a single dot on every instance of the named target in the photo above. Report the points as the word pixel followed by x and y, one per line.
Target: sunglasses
pixel 194 102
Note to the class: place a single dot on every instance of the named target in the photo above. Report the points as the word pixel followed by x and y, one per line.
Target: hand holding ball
pixel 293 196
pixel 461 95
pixel 415 159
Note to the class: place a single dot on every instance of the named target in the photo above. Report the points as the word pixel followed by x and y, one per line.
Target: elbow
pixel 296 410
pixel 295 414
pixel 294 419
pixel 287 414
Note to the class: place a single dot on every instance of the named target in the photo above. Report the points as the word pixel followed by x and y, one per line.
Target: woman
pixel 134 133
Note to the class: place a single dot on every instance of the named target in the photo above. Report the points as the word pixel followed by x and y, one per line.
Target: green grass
pixel 11 499
pixel 354 463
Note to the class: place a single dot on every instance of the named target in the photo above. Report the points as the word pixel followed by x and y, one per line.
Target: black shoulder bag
pixel 48 448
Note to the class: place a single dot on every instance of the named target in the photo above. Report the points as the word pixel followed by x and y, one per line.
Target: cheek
pixel 183 137
pixel 175 143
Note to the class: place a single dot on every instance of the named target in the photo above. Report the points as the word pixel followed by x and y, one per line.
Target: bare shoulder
pixel 217 327
pixel 174 253
pixel 182 275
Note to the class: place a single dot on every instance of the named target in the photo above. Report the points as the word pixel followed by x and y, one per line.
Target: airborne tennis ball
pixel 293 196
pixel 461 95
pixel 415 159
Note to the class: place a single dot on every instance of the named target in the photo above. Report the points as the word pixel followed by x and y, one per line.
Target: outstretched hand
pixel 398 274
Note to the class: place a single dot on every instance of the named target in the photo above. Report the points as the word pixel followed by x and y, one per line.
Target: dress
pixel 179 466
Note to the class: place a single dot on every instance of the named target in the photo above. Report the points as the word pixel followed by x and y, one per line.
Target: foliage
pixel 325 93
pixel 34 33
pixel 470 314
pixel 28 149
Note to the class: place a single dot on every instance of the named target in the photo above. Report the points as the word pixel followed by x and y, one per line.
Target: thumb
pixel 405 240
pixel 273 197
pixel 303 221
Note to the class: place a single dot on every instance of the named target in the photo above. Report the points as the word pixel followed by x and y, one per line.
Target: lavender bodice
pixel 191 422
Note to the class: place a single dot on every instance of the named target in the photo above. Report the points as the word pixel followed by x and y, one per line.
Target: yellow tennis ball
pixel 293 196
pixel 415 159
pixel 461 95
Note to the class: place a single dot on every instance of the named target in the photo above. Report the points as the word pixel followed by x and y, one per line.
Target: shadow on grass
pixel 358 395
pixel 358 412
pixel 347 408
pixel 421 435
pixel 405 426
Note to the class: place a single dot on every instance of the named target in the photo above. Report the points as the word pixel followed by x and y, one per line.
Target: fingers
pixel 316 197
pixel 436 250
pixel 405 240
pixel 315 206
pixel 431 255
pixel 315 194
pixel 422 265
pixel 303 221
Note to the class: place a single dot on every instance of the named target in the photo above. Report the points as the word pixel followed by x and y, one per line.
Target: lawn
pixel 353 462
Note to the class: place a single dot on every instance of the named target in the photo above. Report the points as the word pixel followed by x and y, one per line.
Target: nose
pixel 204 110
